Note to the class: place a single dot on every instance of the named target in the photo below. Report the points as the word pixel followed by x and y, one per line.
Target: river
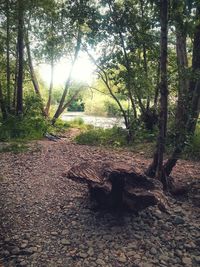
pixel 97 121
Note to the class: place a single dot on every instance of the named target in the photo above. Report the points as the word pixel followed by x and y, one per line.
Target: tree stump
pixel 117 185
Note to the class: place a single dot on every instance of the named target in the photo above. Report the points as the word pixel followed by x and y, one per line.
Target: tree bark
pixel 2 104
pixel 8 53
pixel 32 72
pixel 20 40
pixel 50 88
pixel 15 81
pixel 156 168
pixel 188 107
pixel 119 186
pixel 194 88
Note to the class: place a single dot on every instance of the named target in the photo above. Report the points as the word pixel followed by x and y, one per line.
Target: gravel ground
pixel 48 220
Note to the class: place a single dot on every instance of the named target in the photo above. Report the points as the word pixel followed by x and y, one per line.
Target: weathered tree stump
pixel 117 185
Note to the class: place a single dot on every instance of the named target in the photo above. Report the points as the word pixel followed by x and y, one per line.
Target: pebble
pixel 83 255
pixel 65 242
pixel 54 233
pixel 65 232
pixel 122 259
pixel 23 263
pixel 24 245
pixel 100 262
pixel 187 261
pixel 153 251
pixel 15 251
pixel 90 252
pixel 178 220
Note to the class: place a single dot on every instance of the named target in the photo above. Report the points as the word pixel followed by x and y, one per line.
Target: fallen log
pixel 118 185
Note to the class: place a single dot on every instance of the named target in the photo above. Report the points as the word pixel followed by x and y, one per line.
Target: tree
pixel 20 51
pixel 189 99
pixel 156 167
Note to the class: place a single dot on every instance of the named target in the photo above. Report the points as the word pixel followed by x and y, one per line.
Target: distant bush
pixel 112 109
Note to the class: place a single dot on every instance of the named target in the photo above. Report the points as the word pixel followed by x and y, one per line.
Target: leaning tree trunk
pixel 32 73
pixel 188 110
pixel 156 168
pixel 20 47
pixel 62 104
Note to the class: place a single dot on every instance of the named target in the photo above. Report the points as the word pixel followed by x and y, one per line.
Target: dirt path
pixel 47 220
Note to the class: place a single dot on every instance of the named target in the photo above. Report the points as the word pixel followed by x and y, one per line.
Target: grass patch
pixel 15 147
pixel 114 137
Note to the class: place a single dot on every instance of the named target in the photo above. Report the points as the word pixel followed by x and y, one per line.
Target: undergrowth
pixel 143 141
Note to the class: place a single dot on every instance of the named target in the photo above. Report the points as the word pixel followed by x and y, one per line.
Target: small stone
pixel 122 259
pixel 24 245
pixel 83 255
pixel 187 261
pixel 164 258
pixel 65 242
pixel 15 251
pixel 90 252
pixel 30 250
pixel 133 245
pixel 153 251
pixel 65 232
pixel 23 263
pixel 54 233
pixel 178 253
pixel 100 262
pixel 178 220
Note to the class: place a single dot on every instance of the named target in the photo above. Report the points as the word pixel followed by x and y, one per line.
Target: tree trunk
pixel 194 89
pixel 50 88
pixel 181 112
pixel 61 104
pixel 8 53
pixel 156 168
pixel 20 46
pixel 32 72
pixel 188 109
pixel 2 104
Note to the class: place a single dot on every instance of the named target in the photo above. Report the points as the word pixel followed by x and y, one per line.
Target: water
pixel 97 121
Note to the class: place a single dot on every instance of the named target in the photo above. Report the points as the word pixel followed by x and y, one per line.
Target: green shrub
pixel 192 150
pixel 23 128
pixel 32 125
pixel 115 137
pixel 112 109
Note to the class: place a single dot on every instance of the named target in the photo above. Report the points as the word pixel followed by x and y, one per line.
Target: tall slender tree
pixel 156 167
pixel 20 47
